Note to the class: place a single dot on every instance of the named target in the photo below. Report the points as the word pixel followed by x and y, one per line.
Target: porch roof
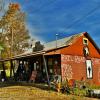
pixel 21 56
pixel 50 48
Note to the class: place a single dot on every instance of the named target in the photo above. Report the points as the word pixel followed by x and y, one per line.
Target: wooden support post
pixel 18 63
pixel 22 62
pixel 3 66
pixel 4 73
pixel 11 68
pixel 46 70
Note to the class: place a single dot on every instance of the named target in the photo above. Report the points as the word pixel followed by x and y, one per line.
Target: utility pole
pixel 56 40
pixel 12 38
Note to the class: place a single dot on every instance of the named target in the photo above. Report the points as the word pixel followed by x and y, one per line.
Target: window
pixel 50 65
pixel 86 51
pixel 85 41
pixel 89 70
pixel 53 64
pixel 50 62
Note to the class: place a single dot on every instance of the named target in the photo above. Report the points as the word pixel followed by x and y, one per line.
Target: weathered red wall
pixel 74 67
pixel 77 48
pixel 96 70
pixel 73 62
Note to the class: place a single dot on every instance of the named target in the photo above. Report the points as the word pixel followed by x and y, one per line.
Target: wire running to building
pixel 61 34
pixel 83 17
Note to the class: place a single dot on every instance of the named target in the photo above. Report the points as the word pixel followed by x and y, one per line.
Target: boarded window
pixel 89 69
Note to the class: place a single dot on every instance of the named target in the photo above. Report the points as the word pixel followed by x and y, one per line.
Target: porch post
pixel 4 70
pixel 3 66
pixel 46 69
pixel 11 68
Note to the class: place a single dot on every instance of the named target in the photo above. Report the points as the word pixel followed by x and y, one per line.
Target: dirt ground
pixel 33 93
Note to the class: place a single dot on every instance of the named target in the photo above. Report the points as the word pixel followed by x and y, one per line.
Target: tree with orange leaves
pixel 15 35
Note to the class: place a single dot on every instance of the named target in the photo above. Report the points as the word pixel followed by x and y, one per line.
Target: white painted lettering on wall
pixel 79 59
pixel 76 59
pixel 67 71
pixel 95 61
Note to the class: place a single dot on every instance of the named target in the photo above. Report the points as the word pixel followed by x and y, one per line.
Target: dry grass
pixel 33 93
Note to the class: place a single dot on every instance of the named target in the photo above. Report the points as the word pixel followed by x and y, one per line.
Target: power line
pixel 45 6
pixel 78 21
pixel 83 17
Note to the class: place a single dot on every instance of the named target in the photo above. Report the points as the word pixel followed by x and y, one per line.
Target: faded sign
pixel 67 71
pixel 76 59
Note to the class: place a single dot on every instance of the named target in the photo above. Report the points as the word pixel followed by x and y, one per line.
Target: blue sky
pixel 45 18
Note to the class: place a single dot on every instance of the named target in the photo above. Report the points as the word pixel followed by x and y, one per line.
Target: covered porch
pixel 36 67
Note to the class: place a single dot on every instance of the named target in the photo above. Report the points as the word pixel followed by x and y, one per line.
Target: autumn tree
pixel 14 34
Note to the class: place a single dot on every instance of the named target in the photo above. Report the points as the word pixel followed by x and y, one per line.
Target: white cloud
pixel 34 33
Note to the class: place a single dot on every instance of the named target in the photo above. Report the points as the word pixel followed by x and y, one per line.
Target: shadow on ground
pixel 37 85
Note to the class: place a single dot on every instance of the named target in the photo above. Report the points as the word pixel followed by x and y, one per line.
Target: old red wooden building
pixel 75 57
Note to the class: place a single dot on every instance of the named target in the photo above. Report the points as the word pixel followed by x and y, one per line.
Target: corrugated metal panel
pixel 61 42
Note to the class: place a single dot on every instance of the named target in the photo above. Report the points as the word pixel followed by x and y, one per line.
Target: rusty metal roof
pixel 52 45
pixel 61 42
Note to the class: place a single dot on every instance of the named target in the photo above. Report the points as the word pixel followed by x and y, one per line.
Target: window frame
pixel 89 77
pixel 85 39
